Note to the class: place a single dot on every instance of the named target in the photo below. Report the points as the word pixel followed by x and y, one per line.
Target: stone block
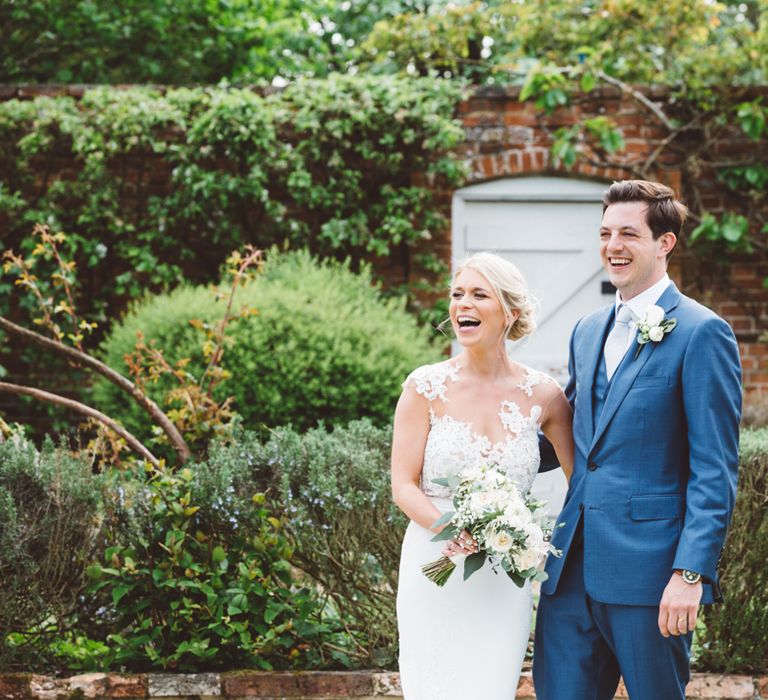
pixel 47 688
pixel 711 685
pixel 762 687
pixel 170 685
pixel 387 684
pixel 89 685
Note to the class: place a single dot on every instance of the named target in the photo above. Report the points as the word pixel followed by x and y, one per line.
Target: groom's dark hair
pixel 664 212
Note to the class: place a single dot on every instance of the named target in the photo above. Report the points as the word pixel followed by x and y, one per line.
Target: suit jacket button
pixel 592 466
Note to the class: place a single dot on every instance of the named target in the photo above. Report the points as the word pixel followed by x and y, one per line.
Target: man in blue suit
pixel 655 386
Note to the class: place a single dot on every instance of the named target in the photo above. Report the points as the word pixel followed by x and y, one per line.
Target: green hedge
pixel 51 522
pixel 323 345
pixel 734 636
pixel 153 187
pixel 337 524
pixel 335 496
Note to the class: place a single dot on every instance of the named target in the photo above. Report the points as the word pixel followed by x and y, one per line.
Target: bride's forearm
pixel 410 499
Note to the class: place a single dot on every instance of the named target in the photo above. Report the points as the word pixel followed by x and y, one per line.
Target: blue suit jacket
pixel 655 478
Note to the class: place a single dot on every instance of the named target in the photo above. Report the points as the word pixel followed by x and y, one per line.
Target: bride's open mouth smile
pixel 467 324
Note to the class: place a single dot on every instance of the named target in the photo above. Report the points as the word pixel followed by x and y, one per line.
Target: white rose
pixel 654 315
pixel 656 334
pixel 481 501
pixel 516 515
pixel 527 559
pixel 500 541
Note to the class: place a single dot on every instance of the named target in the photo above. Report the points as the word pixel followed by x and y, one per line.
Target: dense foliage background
pixel 200 41
pixel 327 128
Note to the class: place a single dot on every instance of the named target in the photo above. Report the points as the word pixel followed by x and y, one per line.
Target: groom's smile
pixel 633 258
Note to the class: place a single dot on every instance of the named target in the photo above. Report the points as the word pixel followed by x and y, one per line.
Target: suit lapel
pixel 593 354
pixel 630 367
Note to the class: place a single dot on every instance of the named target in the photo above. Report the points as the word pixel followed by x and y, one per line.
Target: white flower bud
pixel 654 315
pixel 656 334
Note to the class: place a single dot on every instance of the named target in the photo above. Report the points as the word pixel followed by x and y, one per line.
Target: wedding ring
pixel 682 617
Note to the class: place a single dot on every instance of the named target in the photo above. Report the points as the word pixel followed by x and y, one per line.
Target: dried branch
pixel 84 360
pixel 113 425
pixel 642 99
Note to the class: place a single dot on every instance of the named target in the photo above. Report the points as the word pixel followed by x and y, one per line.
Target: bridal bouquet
pixel 512 532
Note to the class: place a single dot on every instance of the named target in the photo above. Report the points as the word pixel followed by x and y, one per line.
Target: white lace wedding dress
pixel 467 640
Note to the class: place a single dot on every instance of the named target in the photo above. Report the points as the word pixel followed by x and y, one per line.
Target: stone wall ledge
pixel 299 685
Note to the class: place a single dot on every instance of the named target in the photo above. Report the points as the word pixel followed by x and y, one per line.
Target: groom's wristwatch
pixel 690 577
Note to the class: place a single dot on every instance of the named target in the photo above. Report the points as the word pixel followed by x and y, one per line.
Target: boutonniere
pixel 653 327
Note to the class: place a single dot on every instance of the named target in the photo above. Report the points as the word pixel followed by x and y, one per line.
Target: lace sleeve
pixel 533 378
pixel 430 381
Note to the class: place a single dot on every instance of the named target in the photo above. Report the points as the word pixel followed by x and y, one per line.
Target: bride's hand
pixel 463 544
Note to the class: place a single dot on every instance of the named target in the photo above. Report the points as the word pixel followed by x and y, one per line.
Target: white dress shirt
pixel 638 304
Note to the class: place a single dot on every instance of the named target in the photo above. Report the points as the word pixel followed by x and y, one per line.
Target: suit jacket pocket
pixel 657 507
pixel 643 381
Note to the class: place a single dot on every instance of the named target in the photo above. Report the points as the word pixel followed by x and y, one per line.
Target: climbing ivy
pixel 152 187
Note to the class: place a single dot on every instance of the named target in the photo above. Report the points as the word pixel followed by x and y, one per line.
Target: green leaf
pixel 93 571
pixel 444 519
pixel 447 533
pixel 587 82
pixel 118 593
pixel 472 563
pixel 272 611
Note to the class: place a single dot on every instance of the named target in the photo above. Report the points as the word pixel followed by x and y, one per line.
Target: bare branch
pixel 113 425
pixel 85 360
pixel 648 104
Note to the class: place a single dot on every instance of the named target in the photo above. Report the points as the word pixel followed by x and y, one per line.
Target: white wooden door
pixel 547 226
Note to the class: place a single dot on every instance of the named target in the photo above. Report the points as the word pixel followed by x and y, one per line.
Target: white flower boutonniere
pixel 653 327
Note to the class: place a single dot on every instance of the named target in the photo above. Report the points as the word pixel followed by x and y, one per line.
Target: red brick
pixel 15 685
pixel 621 691
pixel 740 324
pixel 525 690
pixel 527 162
pixel 743 271
pixel 749 364
pixel 127 686
pixel 339 684
pixel 259 683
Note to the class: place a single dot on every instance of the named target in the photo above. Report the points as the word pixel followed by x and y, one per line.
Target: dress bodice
pixel 453 444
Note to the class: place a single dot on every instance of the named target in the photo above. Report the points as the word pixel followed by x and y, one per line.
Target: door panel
pixel 549 228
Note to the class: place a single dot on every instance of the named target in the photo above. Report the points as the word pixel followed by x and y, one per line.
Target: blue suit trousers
pixel 583 646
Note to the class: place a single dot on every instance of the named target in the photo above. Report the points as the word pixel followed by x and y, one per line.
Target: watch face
pixel 691 576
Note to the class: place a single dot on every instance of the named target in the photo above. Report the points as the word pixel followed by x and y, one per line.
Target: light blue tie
pixel 617 341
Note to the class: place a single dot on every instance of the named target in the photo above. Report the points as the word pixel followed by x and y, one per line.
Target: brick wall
pixel 306 685
pixel 507 138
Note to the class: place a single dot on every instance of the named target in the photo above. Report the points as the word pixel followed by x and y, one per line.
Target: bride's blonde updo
pixel 509 287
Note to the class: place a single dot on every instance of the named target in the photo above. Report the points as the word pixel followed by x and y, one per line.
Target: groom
pixel 655 388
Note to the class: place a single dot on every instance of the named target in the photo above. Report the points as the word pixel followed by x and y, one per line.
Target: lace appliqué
pixel 532 378
pixel 430 380
pixel 453 445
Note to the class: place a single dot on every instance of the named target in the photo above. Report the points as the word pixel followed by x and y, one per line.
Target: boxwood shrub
pixel 322 345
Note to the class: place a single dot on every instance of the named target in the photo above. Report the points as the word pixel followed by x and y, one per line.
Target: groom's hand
pixel 679 607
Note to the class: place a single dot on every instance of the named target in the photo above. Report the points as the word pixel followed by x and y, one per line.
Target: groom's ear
pixel 667 243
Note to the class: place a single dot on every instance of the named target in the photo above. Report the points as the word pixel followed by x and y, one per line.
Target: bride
pixel 467 640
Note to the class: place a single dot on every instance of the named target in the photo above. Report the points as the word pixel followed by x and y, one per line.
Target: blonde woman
pixel 467 640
